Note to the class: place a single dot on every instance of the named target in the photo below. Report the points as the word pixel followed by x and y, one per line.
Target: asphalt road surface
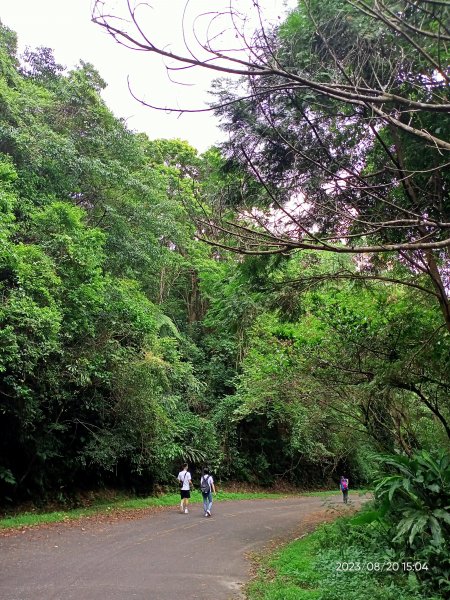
pixel 161 556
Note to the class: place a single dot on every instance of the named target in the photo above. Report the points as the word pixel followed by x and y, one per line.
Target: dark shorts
pixel 185 493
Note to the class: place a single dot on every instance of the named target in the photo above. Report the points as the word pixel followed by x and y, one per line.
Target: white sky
pixel 66 27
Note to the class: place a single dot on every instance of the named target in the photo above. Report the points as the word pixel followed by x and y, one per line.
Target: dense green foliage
pixel 396 548
pixel 415 502
pixel 347 558
pixel 127 345
pixel 95 277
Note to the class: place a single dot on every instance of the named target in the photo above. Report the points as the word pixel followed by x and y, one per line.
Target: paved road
pixel 162 556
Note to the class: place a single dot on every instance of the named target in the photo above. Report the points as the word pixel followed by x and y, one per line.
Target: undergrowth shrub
pixel 354 560
pixel 415 502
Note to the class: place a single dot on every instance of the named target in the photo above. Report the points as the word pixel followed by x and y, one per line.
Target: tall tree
pixel 97 383
pixel 342 116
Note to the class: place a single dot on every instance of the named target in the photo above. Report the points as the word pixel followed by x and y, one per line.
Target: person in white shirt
pixel 184 477
pixel 207 488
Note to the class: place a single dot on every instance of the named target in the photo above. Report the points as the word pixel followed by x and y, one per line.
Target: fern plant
pixel 415 497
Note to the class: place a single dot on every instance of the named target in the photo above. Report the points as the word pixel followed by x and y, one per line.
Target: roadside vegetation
pixel 395 548
pixel 336 560
pixel 343 557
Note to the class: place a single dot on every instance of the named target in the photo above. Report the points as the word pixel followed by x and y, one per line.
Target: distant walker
pixel 343 484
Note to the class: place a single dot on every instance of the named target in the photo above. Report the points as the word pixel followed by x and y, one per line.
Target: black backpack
pixel 204 484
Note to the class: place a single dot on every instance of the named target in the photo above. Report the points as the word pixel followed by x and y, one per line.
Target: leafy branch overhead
pixel 338 125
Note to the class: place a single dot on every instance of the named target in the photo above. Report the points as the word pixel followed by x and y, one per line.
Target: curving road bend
pixel 161 556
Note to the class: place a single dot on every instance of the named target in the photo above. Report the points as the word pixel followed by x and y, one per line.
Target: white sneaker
pixel 186 511
pixel 208 513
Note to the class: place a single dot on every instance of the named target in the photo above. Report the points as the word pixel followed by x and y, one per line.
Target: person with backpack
pixel 207 488
pixel 185 481
pixel 343 484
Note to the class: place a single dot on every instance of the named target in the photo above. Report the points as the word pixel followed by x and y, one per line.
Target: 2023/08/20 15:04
pixel 387 566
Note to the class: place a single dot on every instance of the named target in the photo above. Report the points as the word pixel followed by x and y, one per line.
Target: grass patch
pixel 289 574
pixel 307 569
